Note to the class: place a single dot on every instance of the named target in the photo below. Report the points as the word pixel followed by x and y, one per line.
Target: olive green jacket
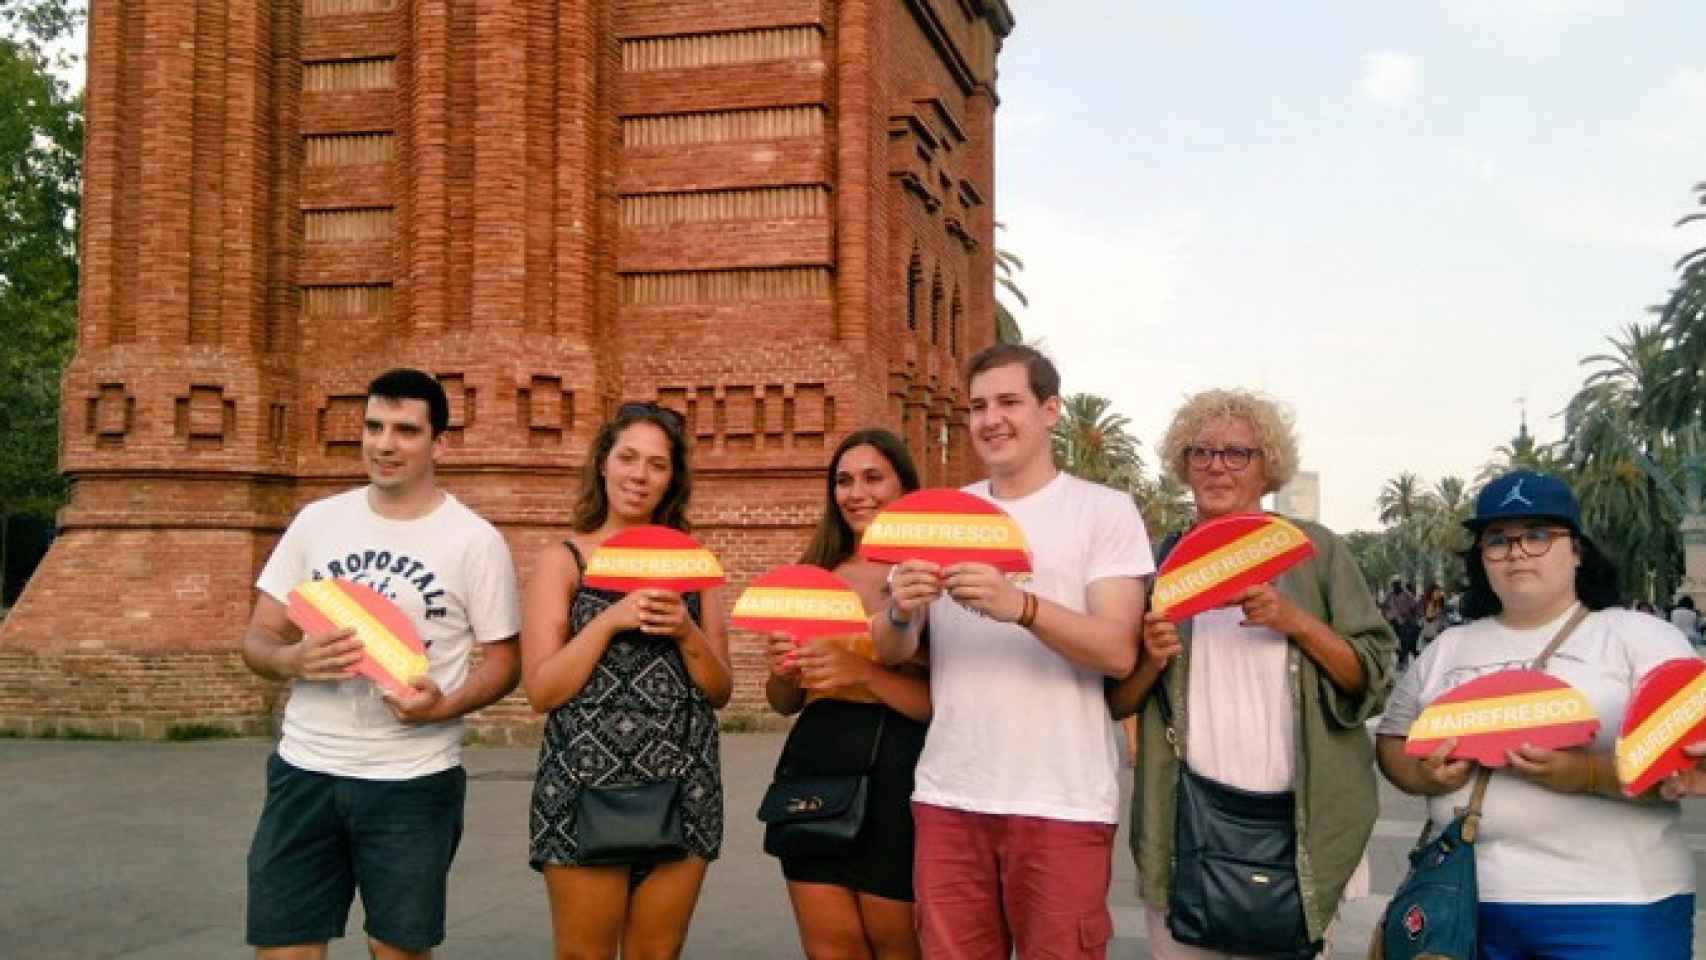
pixel 1335 787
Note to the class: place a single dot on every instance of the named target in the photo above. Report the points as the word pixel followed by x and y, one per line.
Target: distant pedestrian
pixel 1402 612
pixel 1686 619
pixel 1433 615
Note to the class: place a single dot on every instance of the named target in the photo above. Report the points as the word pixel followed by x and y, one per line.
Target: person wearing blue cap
pixel 1567 866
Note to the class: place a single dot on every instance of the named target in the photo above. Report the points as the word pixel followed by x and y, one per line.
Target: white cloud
pixel 1389 78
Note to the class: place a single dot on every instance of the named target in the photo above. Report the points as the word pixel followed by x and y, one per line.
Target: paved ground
pixel 135 851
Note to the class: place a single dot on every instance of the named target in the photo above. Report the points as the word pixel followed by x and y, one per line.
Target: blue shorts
pixel 1663 930
pixel 321 837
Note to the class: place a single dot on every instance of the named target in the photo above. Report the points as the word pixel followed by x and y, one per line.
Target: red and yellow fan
pixel 946 527
pixel 802 601
pixel 1667 712
pixel 1502 711
pixel 652 558
pixel 392 654
pixel 1221 558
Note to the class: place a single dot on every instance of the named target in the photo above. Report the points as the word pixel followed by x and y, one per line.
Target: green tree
pixel 1679 397
pixel 1166 506
pixel 1007 268
pixel 1615 441
pixel 1400 498
pixel 1093 441
pixel 41 147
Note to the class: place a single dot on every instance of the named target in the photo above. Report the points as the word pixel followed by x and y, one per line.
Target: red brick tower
pixel 772 215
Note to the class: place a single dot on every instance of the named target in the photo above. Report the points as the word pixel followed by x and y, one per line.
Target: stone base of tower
pixel 132 632
pixel 132 625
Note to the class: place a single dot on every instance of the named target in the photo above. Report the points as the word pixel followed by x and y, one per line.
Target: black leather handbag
pixel 630 823
pixel 816 816
pixel 1235 887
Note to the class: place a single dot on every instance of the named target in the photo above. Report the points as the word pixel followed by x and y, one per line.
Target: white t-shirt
pixel 1016 727
pixel 450 573
pixel 1537 845
pixel 1240 730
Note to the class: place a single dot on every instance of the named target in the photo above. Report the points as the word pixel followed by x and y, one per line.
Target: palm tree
pixel 1165 505
pixel 1679 396
pixel 1092 441
pixel 1400 498
pixel 1437 528
pixel 1618 444
pixel 1007 265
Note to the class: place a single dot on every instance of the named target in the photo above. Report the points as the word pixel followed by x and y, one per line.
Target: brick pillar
pixel 169 427
pixel 552 206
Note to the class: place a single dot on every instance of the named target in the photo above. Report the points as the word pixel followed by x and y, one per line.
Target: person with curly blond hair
pixel 1266 698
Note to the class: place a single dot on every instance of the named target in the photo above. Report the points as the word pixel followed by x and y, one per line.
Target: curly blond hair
pixel 1271 423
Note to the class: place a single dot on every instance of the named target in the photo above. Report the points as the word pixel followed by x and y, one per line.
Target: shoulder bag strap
pixel 1472 814
pixel 1162 699
pixel 877 741
pixel 580 561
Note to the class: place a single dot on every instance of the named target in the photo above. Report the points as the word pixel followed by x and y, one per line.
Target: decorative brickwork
pixel 771 215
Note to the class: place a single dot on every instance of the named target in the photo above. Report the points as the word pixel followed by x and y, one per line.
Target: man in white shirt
pixel 1016 799
pixel 366 792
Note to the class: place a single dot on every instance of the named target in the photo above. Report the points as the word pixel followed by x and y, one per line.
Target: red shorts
pixel 987 883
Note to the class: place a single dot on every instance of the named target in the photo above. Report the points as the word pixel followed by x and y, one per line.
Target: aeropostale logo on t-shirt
pixel 388 574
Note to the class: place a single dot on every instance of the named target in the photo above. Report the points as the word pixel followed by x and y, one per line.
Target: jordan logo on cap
pixel 1515 496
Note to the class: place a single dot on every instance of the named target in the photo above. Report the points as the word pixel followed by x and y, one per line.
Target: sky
pixel 1395 218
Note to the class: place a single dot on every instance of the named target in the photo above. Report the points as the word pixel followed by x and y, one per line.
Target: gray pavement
pixel 135 851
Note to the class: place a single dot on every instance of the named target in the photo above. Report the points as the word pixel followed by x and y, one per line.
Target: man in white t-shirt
pixel 365 792
pixel 1016 800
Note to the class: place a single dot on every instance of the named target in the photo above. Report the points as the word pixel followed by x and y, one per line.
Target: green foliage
pixel 40 22
pixel 1423 534
pixel 737 723
pixel 41 148
pixel 186 732
pixel 1094 442
pixel 81 733
pixel 1007 266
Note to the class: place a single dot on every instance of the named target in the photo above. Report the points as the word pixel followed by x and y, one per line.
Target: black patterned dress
pixel 640 718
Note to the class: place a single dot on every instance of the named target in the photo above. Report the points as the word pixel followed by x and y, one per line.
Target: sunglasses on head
pixel 649 409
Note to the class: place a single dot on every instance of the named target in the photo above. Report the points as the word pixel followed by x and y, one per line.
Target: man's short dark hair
pixel 404 383
pixel 1040 373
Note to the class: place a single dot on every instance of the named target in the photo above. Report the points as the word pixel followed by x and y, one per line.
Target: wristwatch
pixel 901 622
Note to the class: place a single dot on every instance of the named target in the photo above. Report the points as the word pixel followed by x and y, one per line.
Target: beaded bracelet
pixel 1028 612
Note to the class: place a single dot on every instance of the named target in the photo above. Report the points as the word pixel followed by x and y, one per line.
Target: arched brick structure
pixel 554 205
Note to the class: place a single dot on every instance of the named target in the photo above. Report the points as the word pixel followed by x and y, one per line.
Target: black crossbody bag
pixel 816 816
pixel 1234 887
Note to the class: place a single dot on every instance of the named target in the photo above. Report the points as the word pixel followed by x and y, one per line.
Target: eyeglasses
pixel 1536 542
pixel 1233 458
pixel 649 409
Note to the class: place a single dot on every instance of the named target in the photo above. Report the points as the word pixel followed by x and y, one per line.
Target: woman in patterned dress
pixel 630 682
pixel 856 905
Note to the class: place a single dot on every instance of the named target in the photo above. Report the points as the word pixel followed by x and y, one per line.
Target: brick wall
pixel 553 207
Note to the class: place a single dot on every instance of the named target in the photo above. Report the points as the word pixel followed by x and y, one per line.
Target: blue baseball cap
pixel 1523 494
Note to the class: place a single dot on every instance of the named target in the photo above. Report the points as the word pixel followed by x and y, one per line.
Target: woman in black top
pixel 858 904
pixel 630 682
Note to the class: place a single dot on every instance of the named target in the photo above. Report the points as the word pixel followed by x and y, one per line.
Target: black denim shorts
pixel 322 837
